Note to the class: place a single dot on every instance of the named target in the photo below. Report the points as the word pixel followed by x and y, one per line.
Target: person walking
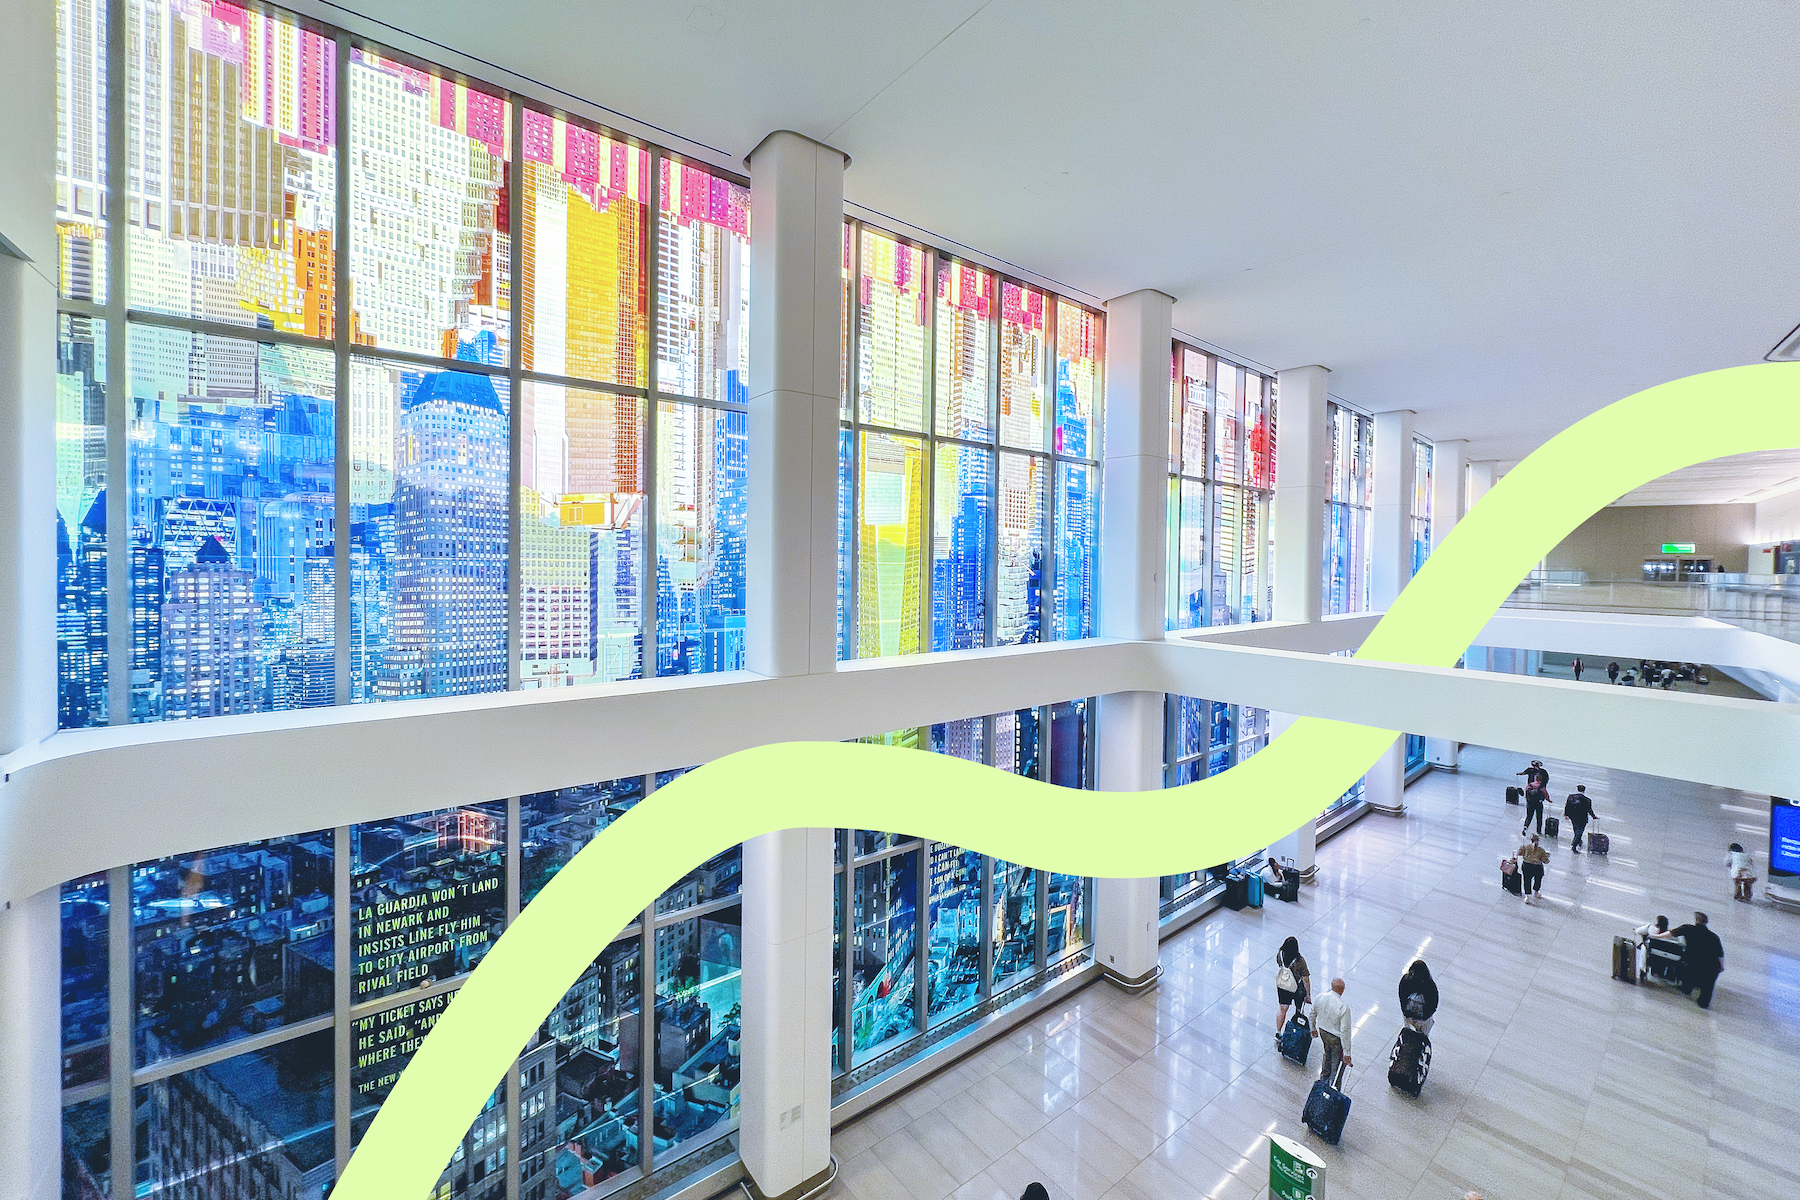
pixel 1577 667
pixel 1579 810
pixel 1292 983
pixel 1537 791
pixel 1419 997
pixel 1035 1191
pixel 1532 858
pixel 1743 874
pixel 1612 672
pixel 1702 959
pixel 1332 1025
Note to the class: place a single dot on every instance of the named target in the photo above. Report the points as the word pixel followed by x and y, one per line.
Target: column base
pixel 803 1190
pixel 1142 983
pixel 1396 810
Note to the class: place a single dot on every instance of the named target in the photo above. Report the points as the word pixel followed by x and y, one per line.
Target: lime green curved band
pixel 802 785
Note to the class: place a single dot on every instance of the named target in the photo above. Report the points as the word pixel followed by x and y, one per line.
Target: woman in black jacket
pixel 1418 997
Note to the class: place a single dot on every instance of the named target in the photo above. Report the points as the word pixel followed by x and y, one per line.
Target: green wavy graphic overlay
pixel 801 785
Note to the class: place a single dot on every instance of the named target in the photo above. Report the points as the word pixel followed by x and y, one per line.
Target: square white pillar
pixel 796 341
pixel 31 1050
pixel 796 249
pixel 1302 464
pixel 1302 845
pixel 784 1131
pixel 1449 465
pixel 1133 562
pixel 1390 549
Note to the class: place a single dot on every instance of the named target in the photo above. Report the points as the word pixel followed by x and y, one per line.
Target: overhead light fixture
pixel 1787 349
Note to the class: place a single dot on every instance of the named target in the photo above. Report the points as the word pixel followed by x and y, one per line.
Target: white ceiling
pixel 1502 216
pixel 1740 479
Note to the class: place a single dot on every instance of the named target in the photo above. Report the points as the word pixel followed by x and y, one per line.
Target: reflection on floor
pixel 1549 1079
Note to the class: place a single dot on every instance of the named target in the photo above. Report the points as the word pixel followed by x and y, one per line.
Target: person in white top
pixel 1331 1025
pixel 1743 874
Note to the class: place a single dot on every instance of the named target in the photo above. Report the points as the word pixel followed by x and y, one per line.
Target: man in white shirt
pixel 1331 1025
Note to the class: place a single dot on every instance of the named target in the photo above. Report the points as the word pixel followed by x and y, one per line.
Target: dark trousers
pixel 1534 876
pixel 1578 826
pixel 1700 981
pixel 1534 811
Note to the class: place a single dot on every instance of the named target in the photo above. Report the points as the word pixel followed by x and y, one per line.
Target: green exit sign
pixel 1678 547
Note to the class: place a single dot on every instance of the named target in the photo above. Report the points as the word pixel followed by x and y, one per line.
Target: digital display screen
pixel 1784 837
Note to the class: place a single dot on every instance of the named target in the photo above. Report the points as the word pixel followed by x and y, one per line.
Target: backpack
pixel 1414 1006
pixel 1284 979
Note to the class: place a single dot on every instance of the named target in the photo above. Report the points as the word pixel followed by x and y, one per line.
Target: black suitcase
pixel 1624 960
pixel 1237 892
pixel 1288 890
pixel 1662 960
pixel 1551 827
pixel 1327 1108
pixel 1512 881
pixel 1599 843
pixel 1410 1061
pixel 1514 794
pixel 1297 1038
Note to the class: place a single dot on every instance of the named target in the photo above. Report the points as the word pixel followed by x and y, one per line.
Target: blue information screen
pixel 1784 837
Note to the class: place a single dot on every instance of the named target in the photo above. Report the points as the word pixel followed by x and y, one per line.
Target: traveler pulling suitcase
pixel 1599 843
pixel 1326 1108
pixel 1624 960
pixel 1513 794
pixel 1410 1061
pixel 1551 827
pixel 1297 1038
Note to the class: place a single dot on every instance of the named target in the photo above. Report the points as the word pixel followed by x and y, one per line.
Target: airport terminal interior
pixel 1268 444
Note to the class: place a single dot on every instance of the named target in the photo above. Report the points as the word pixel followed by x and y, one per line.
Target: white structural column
pixel 1390 564
pixel 1302 466
pixel 1449 463
pixel 1302 845
pixel 785 1135
pixel 1133 562
pixel 30 947
pixel 797 193
pixel 1481 480
pixel 1302 461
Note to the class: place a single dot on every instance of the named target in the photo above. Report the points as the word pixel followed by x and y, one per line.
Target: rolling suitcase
pixel 1410 1061
pixel 1551 827
pixel 1253 895
pixel 1297 1038
pixel 1662 961
pixel 1327 1108
pixel 1598 843
pixel 1289 890
pixel 1624 960
pixel 1511 880
pixel 1237 891
pixel 1514 794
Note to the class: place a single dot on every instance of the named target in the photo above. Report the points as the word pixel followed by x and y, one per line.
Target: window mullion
pixel 649 620
pixel 515 464
pixel 118 490
pixel 342 682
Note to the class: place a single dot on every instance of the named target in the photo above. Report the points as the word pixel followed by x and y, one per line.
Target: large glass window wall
pixel 251 971
pixel 1202 738
pixel 969 478
pixel 1347 509
pixel 930 934
pixel 404 385
pixel 1221 487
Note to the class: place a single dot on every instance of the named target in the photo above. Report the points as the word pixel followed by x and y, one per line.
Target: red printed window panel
pixel 430 219
pixel 1023 347
pixel 232 209
pixel 583 295
pixel 702 285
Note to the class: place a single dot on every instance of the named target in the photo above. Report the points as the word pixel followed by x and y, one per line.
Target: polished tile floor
pixel 1550 1079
